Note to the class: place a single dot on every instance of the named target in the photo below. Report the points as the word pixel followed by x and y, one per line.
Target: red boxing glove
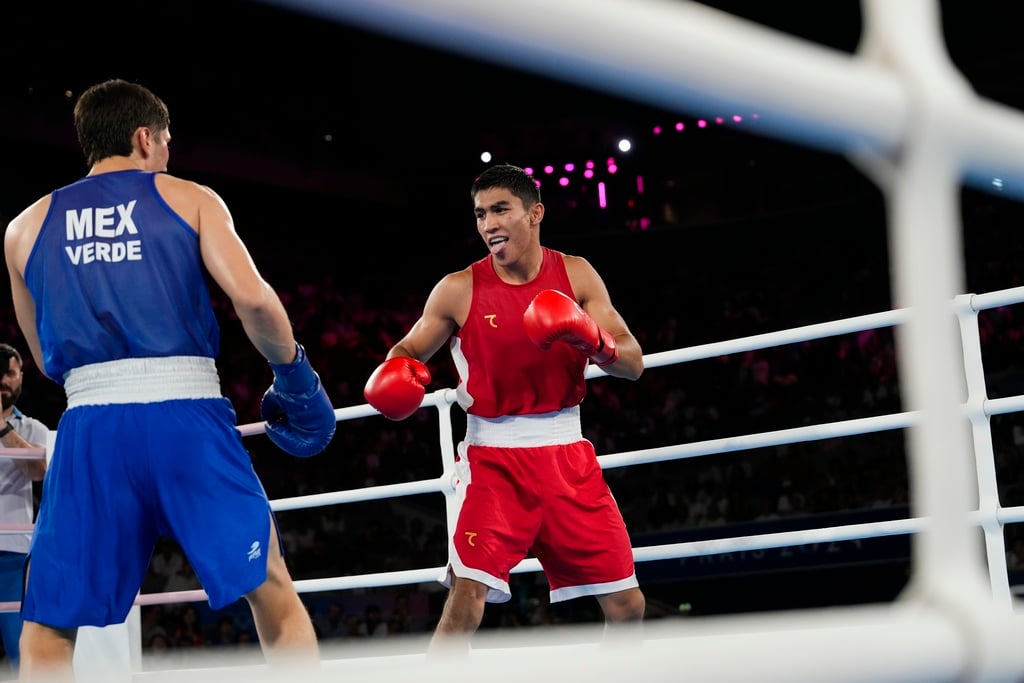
pixel 397 386
pixel 552 316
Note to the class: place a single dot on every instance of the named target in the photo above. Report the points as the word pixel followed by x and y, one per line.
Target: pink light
pixel 549 169
pixel 589 173
pixel 657 130
pixel 719 120
pixel 602 199
pixel 570 167
pixel 737 118
pixel 590 164
pixel 680 126
pixel 528 170
pixel 563 181
pixel 645 223
pixel 613 169
pixel 640 184
pixel 701 123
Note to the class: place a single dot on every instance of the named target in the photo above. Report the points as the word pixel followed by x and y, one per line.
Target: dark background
pixel 255 91
pixel 346 158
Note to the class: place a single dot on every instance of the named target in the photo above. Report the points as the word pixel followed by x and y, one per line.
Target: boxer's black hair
pixel 512 178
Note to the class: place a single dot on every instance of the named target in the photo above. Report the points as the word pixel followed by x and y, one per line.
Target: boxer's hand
pixel 300 417
pixel 397 386
pixel 552 316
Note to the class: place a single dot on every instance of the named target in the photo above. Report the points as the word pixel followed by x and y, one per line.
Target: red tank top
pixel 501 372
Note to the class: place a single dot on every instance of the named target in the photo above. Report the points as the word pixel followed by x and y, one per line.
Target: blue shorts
pixel 123 475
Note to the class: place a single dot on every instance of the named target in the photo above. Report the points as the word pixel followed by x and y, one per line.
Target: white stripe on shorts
pixel 142 380
pixel 525 431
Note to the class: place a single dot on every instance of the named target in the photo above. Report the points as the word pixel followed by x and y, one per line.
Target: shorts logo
pixel 470 535
pixel 490 319
pixel 254 551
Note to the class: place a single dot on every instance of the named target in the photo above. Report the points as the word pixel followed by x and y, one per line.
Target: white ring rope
pixel 444 397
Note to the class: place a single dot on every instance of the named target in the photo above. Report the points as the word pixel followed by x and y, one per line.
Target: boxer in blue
pixel 107 277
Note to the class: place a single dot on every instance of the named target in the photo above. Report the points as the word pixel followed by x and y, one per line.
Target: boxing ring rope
pixel 991 516
pixel 899 109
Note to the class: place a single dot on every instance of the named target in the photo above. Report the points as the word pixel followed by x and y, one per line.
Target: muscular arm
pixel 396 387
pixel 443 314
pixel 229 263
pixel 18 240
pixel 593 296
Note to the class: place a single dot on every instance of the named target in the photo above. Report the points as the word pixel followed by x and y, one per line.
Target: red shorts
pixel 551 499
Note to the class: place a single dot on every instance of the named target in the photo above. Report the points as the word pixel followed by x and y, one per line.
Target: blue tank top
pixel 115 273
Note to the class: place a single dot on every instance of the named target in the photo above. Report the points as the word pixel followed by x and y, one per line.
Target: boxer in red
pixel 522 325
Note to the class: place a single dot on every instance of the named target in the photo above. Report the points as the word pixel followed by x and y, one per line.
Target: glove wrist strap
pixel 607 353
pixel 300 358
pixel 296 377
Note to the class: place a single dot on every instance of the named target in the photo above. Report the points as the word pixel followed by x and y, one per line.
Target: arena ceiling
pixel 262 93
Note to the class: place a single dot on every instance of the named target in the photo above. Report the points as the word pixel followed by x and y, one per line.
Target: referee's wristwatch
pixel 8 428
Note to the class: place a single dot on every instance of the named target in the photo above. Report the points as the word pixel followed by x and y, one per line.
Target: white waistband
pixel 142 380
pixel 525 431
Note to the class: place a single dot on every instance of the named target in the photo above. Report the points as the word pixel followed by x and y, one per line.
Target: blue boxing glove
pixel 300 417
